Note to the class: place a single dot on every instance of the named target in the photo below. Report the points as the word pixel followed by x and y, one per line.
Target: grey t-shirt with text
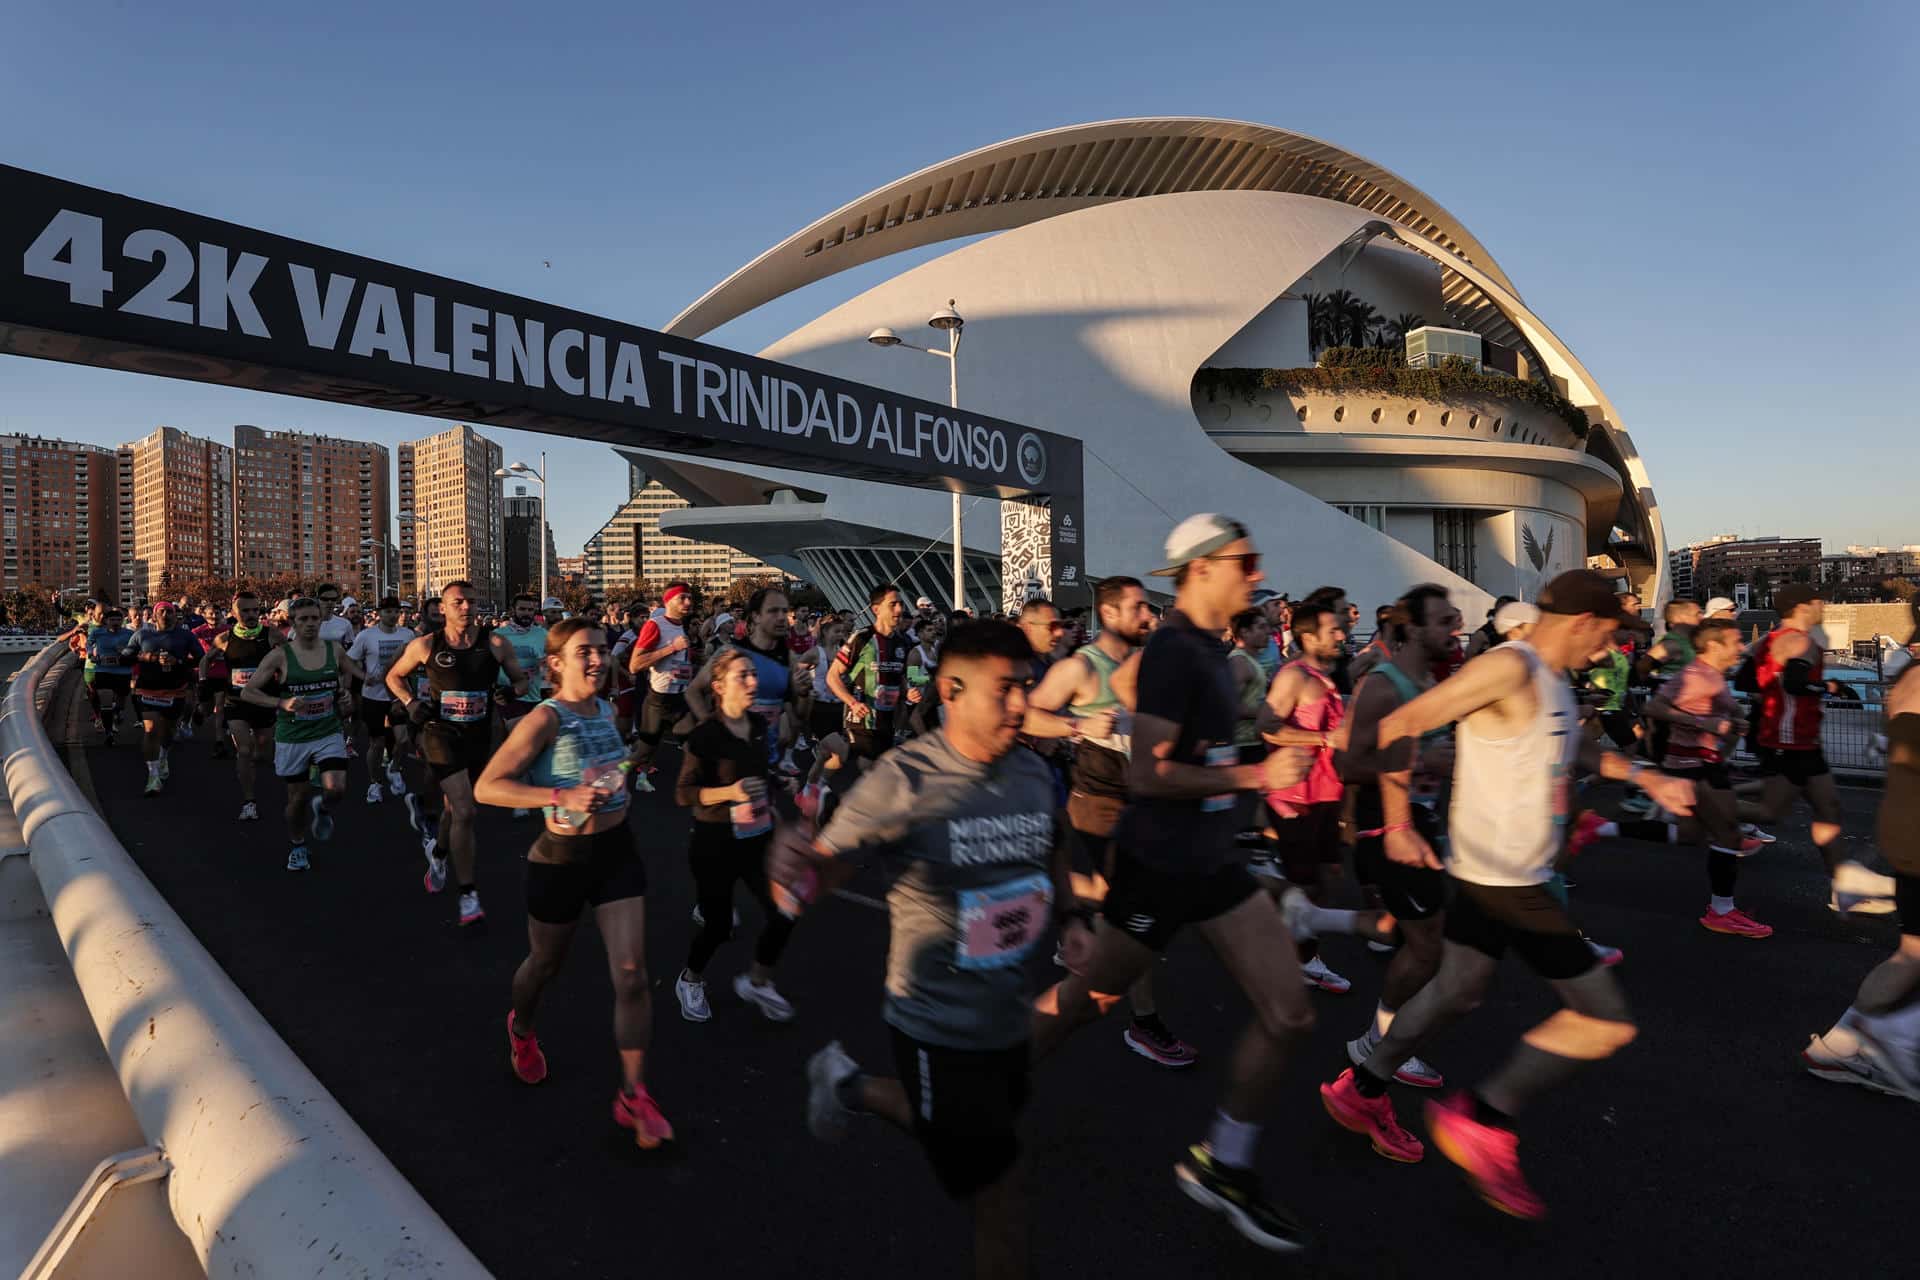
pixel 969 848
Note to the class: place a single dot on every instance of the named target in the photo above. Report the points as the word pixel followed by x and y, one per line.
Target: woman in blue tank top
pixel 566 756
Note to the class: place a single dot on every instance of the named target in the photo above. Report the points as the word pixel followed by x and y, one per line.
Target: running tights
pixel 718 861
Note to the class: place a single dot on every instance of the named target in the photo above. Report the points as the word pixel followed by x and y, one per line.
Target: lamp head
pixel 884 337
pixel 947 318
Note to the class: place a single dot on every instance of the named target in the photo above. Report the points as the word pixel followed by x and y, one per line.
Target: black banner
pixel 90 277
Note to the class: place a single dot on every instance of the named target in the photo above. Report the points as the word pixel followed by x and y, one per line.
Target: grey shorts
pixel 291 760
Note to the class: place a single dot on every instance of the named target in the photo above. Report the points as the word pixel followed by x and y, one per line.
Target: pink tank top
pixel 1322 784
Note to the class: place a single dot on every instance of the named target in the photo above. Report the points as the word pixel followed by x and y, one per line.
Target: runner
pixel 565 756
pixel 422 800
pixel 1303 708
pixel 164 661
pixel 461 660
pixel 242 647
pixel 374 650
pixel 724 781
pixel 529 640
pixel 1517 744
pixel 211 701
pixel 869 674
pixel 969 830
pixel 1379 647
pixel 1788 677
pixel 1876 1042
pixel 766 646
pixel 1094 688
pixel 1175 863
pixel 1423 623
pixel 334 626
pixel 109 674
pixel 827 718
pixel 309 678
pixel 662 650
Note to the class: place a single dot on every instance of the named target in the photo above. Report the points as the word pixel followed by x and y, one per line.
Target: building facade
pixel 1858 574
pixel 1721 564
pixel 307 504
pixel 1156 287
pixel 58 506
pixel 175 513
pixel 631 546
pixel 452 522
pixel 525 546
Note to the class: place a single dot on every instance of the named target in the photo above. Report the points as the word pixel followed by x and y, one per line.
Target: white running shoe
pixel 1412 1071
pixel 827 1116
pixel 396 783
pixel 1754 833
pixel 700 917
pixel 1860 891
pixel 166 767
pixel 642 785
pixel 693 998
pixel 185 732
pixel 1865 1066
pixel 322 820
pixel 470 911
pixel 772 1005
pixel 374 794
pixel 1316 974
pixel 249 812
pixel 297 858
pixel 436 877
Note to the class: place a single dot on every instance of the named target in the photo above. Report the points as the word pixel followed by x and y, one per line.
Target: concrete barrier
pixel 270 1176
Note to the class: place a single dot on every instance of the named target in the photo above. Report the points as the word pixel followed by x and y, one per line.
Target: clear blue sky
pixel 1709 202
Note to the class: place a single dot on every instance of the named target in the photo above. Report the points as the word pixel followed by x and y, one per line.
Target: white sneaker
pixel 297 858
pixel 185 732
pixel 1316 974
pixel 642 785
pixel 1900 1059
pixel 396 783
pixel 470 911
pixel 1860 891
pixel 1413 1071
pixel 827 1116
pixel 700 917
pixel 374 794
pixel 1749 830
pixel 772 1005
pixel 322 824
pixel 693 998
pixel 1864 1066
pixel 249 812
pixel 436 877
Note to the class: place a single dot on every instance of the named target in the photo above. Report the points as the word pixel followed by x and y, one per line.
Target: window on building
pixel 1453 535
pixel 1372 515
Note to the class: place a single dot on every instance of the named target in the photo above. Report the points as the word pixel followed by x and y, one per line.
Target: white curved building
pixel 1130 256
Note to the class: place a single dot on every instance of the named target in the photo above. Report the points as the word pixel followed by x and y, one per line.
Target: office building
pixel 175 502
pixel 58 506
pixel 305 503
pixel 1723 563
pixel 524 544
pixel 631 547
pixel 451 516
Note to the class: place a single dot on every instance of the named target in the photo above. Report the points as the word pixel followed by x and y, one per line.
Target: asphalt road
pixel 1703 1150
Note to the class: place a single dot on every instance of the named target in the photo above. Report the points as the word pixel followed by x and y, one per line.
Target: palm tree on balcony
pixel 1405 323
pixel 1323 322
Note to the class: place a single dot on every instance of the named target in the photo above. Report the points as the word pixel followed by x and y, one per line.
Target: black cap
pixel 1579 591
pixel 1790 597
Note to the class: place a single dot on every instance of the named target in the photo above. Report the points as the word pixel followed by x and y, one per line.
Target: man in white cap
pixel 1515 620
pixel 1175 864
pixel 1721 607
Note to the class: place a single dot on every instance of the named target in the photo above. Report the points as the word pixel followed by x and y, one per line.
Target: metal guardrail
pixel 270 1176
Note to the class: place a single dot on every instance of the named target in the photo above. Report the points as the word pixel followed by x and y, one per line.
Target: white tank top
pixel 1510 795
pixel 671 674
pixel 824 663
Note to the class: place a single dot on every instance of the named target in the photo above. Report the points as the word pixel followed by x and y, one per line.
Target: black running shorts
pixel 374 715
pixel 1906 899
pixel 1308 842
pixel 966 1104
pixel 1797 766
pixel 113 681
pixel 240 711
pixel 1410 893
pixel 452 749
pixel 1150 905
pixel 1527 918
pixel 568 874
pixel 159 705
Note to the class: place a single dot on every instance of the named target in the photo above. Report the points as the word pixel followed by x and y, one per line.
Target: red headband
pixel 673 593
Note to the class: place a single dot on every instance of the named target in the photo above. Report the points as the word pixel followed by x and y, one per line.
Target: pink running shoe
pixel 1490 1156
pixel 1585 832
pixel 1357 1113
pixel 1736 922
pixel 529 1064
pixel 640 1113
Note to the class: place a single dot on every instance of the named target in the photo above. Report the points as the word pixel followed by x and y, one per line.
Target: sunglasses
pixel 1249 561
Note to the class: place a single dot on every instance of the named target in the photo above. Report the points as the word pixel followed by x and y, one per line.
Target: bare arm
pixel 837 681
pixel 499 783
pixel 699 695
pixel 1151 770
pixel 1047 715
pixel 270 669
pixel 404 666
pixel 1360 760
pixel 509 662
pixel 1480 683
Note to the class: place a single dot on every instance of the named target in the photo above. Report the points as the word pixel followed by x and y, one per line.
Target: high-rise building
pixel 58 508
pixel 305 503
pixel 456 529
pixel 572 568
pixel 175 497
pixel 1720 564
pixel 524 544
pixel 630 547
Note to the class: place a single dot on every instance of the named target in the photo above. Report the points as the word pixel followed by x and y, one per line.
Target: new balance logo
pixel 1139 923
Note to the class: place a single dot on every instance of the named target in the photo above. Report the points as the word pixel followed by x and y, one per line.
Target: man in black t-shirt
pixel 1175 863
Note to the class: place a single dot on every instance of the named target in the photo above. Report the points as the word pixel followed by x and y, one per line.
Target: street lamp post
pixel 948 319
pixel 522 471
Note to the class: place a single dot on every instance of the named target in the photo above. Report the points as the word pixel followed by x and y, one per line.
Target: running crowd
pixel 1052 800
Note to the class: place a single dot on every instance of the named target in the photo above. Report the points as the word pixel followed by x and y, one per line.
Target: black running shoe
pixel 1236 1193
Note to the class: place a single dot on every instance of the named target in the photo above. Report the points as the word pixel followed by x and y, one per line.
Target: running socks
pixel 1490 1116
pixel 1232 1141
pixel 1369 1084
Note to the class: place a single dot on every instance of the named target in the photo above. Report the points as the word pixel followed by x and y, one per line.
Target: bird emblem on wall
pixel 1540 556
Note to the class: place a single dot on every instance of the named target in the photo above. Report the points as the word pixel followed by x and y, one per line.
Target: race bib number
pixel 750 820
pixel 238 677
pixel 162 704
pixel 886 697
pixel 1217 756
pixel 998 926
pixel 312 706
pixel 463 706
